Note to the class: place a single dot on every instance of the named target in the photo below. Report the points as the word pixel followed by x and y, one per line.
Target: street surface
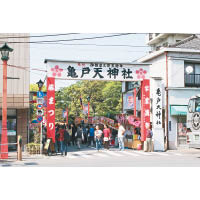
pixel 90 157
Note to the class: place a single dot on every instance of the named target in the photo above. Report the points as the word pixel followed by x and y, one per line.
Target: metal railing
pixel 192 80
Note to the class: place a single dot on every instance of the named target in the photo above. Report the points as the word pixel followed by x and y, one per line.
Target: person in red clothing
pixel 106 133
pixel 61 139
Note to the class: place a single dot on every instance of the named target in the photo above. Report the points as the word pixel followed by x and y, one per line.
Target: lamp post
pixel 5 49
pixel 88 99
pixel 40 84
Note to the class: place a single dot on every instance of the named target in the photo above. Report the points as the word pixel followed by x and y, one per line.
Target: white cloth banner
pixel 97 71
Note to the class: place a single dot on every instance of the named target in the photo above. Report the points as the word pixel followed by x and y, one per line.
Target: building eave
pixel 92 61
pixel 162 51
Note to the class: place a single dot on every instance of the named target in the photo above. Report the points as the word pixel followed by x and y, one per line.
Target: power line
pixel 34 36
pixel 86 38
pixel 106 45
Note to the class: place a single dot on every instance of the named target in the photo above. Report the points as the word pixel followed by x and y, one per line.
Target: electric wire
pixel 75 39
pixel 36 36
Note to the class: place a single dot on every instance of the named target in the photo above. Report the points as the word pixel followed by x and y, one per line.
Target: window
pixel 194 105
pixel 129 86
pixel 192 74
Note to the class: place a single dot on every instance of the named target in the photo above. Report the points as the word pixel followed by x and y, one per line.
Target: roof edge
pixel 161 51
pixel 92 61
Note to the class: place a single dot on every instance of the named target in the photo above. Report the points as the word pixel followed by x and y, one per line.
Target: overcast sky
pixel 39 52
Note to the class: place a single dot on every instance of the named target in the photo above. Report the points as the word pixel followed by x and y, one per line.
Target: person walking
pixel 98 134
pixel 69 130
pixel 91 136
pixel 61 139
pixel 66 141
pixel 79 136
pixel 57 143
pixel 106 132
pixel 85 134
pixel 149 139
pixel 74 130
pixel 121 132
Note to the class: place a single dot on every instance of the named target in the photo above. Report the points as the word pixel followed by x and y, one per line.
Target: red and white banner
pixel 51 108
pixel 145 108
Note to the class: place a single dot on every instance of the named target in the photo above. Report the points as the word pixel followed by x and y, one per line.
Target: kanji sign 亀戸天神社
pixel 97 71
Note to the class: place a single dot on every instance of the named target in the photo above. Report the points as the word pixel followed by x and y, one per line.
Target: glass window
pixel 194 105
pixel 11 131
pixel 130 86
pixel 197 105
pixel 192 75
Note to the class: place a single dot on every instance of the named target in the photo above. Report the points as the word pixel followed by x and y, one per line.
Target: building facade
pixel 178 84
pixel 18 72
pixel 175 72
pixel 159 40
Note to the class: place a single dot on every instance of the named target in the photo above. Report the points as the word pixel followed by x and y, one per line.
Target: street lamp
pixel 40 84
pixel 5 49
pixel 88 99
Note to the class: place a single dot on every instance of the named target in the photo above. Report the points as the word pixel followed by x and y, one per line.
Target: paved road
pixel 89 157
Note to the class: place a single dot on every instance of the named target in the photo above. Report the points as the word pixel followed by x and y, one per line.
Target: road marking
pixel 129 153
pixel 113 153
pixel 143 153
pixel 100 154
pixel 160 153
pixel 81 154
pixel 71 156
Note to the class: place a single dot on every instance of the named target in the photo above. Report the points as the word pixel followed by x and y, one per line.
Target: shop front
pixel 11 127
pixel 132 126
pixel 178 125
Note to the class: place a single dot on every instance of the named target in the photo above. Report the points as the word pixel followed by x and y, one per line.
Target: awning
pixel 178 110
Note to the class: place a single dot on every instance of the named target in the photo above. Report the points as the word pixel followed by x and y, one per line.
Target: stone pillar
pixel 22 124
pixel 158 132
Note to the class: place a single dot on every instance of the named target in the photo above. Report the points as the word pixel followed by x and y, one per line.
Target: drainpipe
pixel 167 103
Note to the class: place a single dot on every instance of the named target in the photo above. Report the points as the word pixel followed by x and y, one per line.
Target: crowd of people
pixel 89 135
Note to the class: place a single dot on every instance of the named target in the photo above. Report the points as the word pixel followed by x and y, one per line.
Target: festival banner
pixel 51 108
pixel 97 71
pixel 145 108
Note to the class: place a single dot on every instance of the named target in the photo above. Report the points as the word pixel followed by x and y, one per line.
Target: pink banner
pixel 51 108
pixel 145 108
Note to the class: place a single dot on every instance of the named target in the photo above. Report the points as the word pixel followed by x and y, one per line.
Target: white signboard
pixel 97 71
pixel 157 107
pixel 40 100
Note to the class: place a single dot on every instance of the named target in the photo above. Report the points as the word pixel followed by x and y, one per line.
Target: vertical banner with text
pixel 51 108
pixel 145 107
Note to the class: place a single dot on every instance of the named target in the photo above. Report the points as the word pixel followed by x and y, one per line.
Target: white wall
pixel 19 57
pixel 181 96
pixel 17 89
pixel 175 73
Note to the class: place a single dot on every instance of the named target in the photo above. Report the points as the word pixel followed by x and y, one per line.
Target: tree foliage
pixel 105 99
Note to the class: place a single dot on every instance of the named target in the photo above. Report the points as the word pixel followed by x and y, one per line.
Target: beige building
pixel 17 89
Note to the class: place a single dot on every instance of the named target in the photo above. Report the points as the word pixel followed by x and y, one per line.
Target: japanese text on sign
pixel 97 71
pixel 157 108
pixel 51 108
